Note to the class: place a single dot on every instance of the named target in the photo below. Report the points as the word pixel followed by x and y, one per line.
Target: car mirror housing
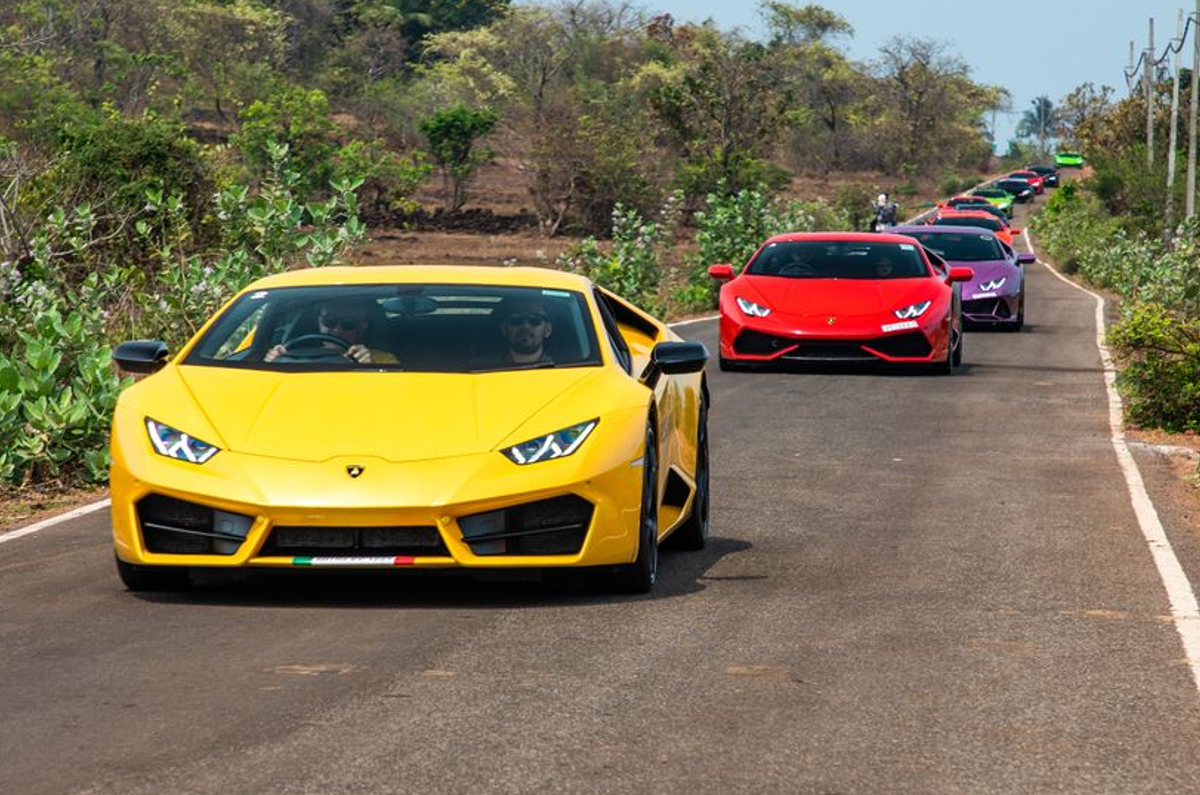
pixel 674 358
pixel 960 274
pixel 722 272
pixel 1026 259
pixel 141 356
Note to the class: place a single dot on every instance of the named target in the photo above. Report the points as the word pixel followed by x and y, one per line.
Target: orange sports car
pixel 982 220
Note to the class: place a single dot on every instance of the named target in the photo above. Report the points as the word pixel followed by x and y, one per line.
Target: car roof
pixel 426 274
pixel 838 237
pixel 966 214
pixel 947 230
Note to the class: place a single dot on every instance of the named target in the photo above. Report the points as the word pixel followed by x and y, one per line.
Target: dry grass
pixel 26 506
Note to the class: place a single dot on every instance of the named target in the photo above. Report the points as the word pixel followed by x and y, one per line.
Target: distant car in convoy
pixel 1049 174
pixel 963 202
pixel 412 417
pixel 995 295
pixel 841 297
pixel 1032 177
pixel 1019 189
pixel 985 207
pixel 978 220
pixel 1068 159
pixel 998 198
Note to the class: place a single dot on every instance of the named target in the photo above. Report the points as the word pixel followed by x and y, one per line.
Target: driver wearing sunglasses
pixel 349 321
pixel 525 326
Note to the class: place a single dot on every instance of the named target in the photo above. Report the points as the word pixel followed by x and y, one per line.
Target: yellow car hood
pixel 395 416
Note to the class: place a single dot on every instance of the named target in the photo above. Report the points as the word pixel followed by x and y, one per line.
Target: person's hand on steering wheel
pixel 309 347
pixel 359 353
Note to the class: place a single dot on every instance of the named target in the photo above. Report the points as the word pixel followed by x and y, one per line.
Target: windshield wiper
pixel 505 367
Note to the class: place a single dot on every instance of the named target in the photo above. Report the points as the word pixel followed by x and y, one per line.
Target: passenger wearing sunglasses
pixel 348 320
pixel 525 326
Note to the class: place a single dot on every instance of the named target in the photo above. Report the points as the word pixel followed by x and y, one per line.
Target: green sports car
pixel 1068 160
pixel 998 198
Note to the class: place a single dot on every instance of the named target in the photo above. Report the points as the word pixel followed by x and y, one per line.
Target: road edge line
pixel 13 535
pixel 679 323
pixel 1185 611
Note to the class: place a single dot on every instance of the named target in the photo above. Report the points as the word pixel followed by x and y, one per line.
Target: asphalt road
pixel 915 585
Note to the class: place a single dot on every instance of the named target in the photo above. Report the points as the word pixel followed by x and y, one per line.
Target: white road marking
pixel 12 535
pixel 1185 611
pixel 693 320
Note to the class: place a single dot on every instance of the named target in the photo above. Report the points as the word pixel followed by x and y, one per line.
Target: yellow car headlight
pixel 173 443
pixel 559 444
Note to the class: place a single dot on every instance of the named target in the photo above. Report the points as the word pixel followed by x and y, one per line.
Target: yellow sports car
pixel 417 417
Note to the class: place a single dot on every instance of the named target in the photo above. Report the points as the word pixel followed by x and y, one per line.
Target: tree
pixel 930 105
pixel 1040 122
pixel 453 134
pixel 1082 111
pixel 810 24
pixel 718 105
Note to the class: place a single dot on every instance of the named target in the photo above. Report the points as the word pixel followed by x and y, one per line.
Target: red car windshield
pixel 839 259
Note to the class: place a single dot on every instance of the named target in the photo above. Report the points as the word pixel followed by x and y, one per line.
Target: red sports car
pixel 841 297
pixel 1032 177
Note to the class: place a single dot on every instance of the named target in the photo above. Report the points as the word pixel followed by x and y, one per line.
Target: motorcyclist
pixel 883 213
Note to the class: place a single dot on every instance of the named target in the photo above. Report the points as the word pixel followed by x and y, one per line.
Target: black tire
pixel 1020 324
pixel 693 533
pixel 956 359
pixel 640 576
pixel 153 578
pixel 731 366
pixel 946 366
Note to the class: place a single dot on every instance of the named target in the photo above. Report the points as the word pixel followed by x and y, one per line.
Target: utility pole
pixel 1190 209
pixel 1174 141
pixel 1129 73
pixel 1149 85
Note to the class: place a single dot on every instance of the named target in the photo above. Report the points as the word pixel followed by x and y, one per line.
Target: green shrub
pixel 57 384
pixel 453 136
pixel 1160 351
pixel 298 119
pixel 632 267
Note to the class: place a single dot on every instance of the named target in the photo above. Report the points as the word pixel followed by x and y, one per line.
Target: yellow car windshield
pixel 410 327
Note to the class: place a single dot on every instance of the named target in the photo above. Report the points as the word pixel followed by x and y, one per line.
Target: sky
pixel 1031 47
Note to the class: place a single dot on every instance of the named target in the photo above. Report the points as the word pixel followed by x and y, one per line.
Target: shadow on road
pixel 846 368
pixel 680 574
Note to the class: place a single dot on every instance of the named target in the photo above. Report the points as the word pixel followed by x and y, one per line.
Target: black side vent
pixel 557 526
pixel 756 343
pixel 177 527
pixel 913 345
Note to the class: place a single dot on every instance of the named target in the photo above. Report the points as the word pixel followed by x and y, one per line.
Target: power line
pixel 1174 46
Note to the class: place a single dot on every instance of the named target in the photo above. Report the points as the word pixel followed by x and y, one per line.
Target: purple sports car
pixel 996 296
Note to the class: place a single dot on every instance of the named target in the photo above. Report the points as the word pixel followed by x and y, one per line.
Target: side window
pixel 620 348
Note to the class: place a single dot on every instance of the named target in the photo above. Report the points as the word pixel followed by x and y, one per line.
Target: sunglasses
pixel 343 323
pixel 531 319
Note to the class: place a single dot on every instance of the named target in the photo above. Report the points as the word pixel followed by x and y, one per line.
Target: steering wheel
pixel 311 346
pixel 797 269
